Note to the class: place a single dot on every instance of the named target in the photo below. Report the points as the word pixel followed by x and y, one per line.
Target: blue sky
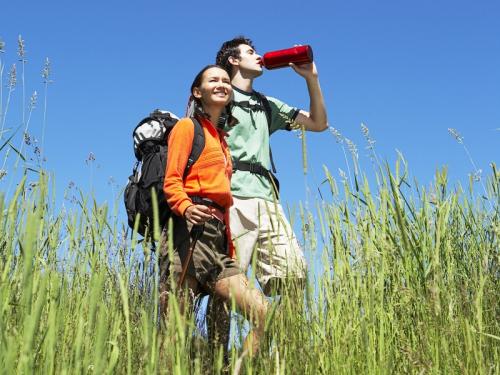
pixel 408 70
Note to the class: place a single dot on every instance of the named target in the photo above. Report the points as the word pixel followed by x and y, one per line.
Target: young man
pixel 258 223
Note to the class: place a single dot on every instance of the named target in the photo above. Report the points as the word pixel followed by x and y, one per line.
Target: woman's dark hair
pixel 199 76
pixel 195 107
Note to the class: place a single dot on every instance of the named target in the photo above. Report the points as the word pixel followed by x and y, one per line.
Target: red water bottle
pixel 281 58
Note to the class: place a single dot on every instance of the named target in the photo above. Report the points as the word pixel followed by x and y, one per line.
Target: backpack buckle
pixel 253 168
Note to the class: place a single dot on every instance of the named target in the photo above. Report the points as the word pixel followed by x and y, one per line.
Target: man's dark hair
pixel 228 49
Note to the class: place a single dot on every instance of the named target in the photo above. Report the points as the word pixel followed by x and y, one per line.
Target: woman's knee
pixel 248 299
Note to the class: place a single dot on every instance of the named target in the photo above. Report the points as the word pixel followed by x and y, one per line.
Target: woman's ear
pixel 197 93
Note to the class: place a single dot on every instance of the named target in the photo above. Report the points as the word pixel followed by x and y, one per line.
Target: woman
pixel 201 200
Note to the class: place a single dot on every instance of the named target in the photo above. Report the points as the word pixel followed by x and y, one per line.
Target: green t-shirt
pixel 249 141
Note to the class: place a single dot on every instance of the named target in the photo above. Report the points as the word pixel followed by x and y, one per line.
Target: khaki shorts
pixel 209 262
pixel 260 228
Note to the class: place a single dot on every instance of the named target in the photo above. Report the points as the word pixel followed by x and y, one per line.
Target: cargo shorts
pixel 210 261
pixel 261 230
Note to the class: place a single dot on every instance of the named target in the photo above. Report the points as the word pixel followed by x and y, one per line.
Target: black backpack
pixel 150 149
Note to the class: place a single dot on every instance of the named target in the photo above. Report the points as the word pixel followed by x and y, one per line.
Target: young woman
pixel 200 201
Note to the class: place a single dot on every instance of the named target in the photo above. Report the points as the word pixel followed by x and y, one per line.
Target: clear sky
pixel 408 70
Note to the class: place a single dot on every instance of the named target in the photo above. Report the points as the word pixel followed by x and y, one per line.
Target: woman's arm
pixel 180 143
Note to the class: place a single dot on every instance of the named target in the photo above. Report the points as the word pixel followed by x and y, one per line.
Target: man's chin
pixel 251 74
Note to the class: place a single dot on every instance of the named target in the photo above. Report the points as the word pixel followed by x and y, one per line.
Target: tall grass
pixel 403 280
pixel 407 282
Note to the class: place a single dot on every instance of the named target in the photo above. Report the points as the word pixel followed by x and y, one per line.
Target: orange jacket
pixel 210 175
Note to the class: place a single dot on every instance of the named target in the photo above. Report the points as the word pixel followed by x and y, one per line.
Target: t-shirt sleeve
pixel 282 114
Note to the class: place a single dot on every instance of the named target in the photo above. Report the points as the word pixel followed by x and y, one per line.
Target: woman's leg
pixel 249 300
pixel 172 269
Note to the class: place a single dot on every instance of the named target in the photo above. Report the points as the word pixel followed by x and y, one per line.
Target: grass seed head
pixel 21 51
pixel 352 148
pixel 455 134
pixel 476 175
pixel 294 125
pixel 338 137
pixel 27 139
pixel 343 175
pixel 2 46
pixel 366 134
pixel 33 100
pixel 298 133
pixel 90 158
pixel 12 77
pixel 46 71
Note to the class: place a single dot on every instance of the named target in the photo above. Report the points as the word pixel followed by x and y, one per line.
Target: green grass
pixel 406 281
pixel 402 279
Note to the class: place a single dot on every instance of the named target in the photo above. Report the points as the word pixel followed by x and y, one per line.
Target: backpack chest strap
pixel 257 168
pixel 251 107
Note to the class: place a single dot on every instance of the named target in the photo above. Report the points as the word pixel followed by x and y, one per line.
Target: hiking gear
pixel 207 202
pixel 258 168
pixel 210 175
pixel 150 149
pixel 209 262
pixel 249 141
pixel 282 58
pixel 194 235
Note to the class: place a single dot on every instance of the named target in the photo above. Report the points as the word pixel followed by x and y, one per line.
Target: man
pixel 258 224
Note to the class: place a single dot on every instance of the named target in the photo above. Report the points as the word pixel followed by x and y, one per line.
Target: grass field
pixel 409 283
pixel 404 280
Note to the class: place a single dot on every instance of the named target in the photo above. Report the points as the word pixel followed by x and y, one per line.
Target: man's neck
pixel 242 83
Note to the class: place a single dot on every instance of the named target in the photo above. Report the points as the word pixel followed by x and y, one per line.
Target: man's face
pixel 249 61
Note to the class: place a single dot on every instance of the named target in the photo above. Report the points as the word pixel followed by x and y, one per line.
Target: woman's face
pixel 215 88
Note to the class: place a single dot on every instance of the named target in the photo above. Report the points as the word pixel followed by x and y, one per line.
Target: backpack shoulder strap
pixel 198 145
pixel 267 109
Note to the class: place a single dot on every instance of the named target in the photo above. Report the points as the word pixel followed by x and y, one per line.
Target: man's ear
pixel 196 93
pixel 233 60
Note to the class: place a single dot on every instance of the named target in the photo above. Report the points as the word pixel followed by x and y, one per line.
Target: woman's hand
pixel 197 214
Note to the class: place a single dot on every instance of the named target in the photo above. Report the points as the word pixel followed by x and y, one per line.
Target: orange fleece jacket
pixel 210 175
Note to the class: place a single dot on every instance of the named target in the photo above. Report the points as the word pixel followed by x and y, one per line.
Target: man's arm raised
pixel 315 120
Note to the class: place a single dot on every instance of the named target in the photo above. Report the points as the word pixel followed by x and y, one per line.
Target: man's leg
pixel 244 229
pixel 280 262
